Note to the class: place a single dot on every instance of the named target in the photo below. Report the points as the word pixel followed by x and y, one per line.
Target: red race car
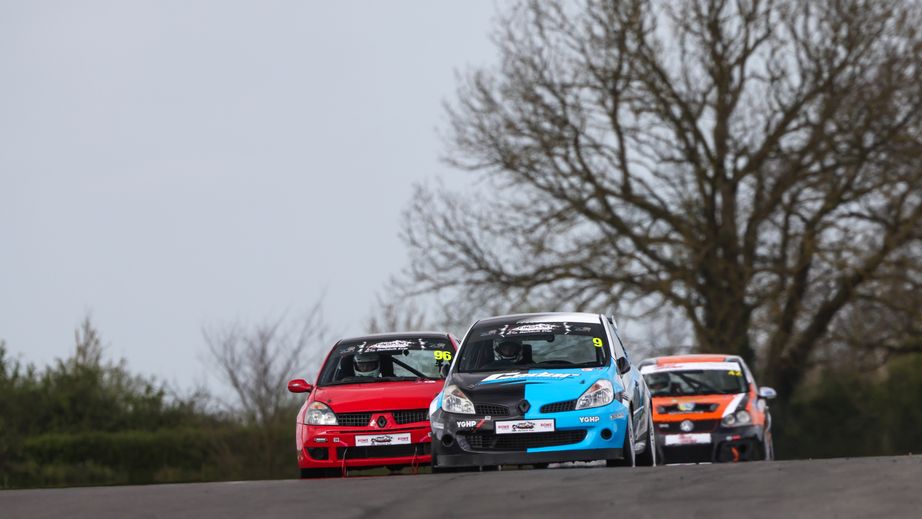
pixel 370 405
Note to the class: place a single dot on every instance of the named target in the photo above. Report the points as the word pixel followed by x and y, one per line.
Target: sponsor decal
pixel 617 416
pixel 437 425
pixel 517 375
pixel 388 346
pixel 588 419
pixel 533 328
pixel 466 424
pixel 382 439
pixel 524 426
pixel 688 439
pixel 686 406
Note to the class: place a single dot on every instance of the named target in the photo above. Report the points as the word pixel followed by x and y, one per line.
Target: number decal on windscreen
pixel 442 355
pixel 597 342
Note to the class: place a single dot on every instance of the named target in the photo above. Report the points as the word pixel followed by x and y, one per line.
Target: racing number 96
pixel 597 342
pixel 442 355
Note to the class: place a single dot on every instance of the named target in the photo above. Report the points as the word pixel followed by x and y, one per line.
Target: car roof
pixel 544 317
pixel 396 335
pixel 691 358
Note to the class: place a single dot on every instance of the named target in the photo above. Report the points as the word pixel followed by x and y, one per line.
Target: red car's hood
pixel 380 396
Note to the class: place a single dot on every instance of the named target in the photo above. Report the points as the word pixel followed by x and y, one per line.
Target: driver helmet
pixel 367 364
pixel 508 350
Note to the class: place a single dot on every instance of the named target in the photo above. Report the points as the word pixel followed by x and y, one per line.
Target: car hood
pixel 538 386
pixel 379 396
pixel 705 407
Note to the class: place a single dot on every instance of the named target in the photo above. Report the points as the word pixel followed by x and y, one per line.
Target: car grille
pixel 699 408
pixel 491 410
pixel 411 416
pixel 383 451
pixel 699 426
pixel 483 441
pixel 353 419
pixel 558 407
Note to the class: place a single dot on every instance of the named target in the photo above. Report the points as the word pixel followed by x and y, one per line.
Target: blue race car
pixel 534 389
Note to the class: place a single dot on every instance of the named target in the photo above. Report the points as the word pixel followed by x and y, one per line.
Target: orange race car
pixel 707 408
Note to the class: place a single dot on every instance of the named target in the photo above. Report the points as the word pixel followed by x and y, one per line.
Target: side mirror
pixel 299 385
pixel 444 370
pixel 623 365
pixel 767 392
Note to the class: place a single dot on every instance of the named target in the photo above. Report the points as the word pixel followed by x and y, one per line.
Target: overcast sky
pixel 170 164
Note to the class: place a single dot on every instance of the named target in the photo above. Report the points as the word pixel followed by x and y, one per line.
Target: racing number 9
pixel 442 355
pixel 597 342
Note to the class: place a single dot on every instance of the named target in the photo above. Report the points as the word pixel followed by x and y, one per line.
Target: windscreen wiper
pixel 697 384
pixel 411 370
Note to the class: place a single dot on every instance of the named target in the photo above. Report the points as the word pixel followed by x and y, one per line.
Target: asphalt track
pixel 858 487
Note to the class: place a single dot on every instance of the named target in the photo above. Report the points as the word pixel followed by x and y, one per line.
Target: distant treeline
pixel 87 421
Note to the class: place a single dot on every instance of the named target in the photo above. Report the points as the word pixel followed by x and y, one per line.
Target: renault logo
pixel 382 421
pixel 524 406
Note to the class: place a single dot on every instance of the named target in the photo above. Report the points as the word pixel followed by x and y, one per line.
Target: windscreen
pixel 727 379
pixel 534 345
pixel 386 360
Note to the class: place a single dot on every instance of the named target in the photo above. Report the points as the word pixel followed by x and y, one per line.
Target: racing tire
pixel 318 473
pixel 647 458
pixel 629 460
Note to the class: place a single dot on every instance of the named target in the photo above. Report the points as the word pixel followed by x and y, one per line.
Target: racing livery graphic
pixel 534 389
pixel 707 408
pixel 368 408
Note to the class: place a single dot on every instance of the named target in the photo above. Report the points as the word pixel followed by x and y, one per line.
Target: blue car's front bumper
pixel 584 435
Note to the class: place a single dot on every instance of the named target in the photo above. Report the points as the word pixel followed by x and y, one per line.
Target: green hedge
pixel 137 457
pixel 849 413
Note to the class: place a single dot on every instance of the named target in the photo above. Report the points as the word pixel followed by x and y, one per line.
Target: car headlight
pixel 455 401
pixel 319 413
pixel 737 419
pixel 599 394
pixel 433 406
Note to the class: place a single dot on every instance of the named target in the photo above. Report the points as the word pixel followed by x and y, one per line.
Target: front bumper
pixel 723 444
pixel 584 435
pixel 335 446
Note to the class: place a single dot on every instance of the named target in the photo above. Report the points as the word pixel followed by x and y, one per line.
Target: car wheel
pixel 647 458
pixel 628 448
pixel 318 473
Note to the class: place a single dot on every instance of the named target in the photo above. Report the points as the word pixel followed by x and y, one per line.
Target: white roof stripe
pixel 687 366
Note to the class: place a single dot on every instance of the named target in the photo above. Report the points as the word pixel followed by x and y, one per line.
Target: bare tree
pixel 256 362
pixel 395 316
pixel 753 164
